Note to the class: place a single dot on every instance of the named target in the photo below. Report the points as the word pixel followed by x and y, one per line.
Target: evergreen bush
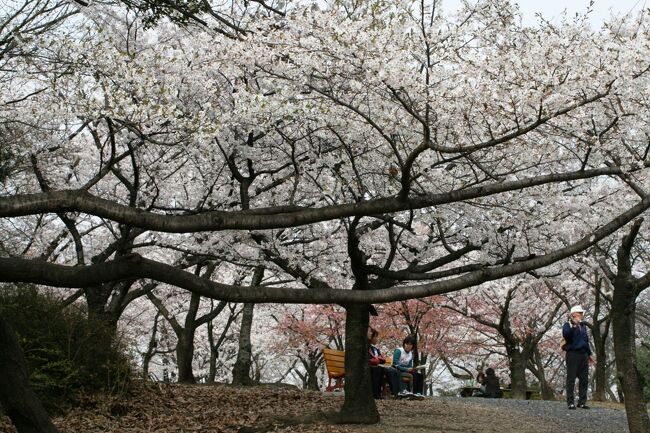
pixel 65 353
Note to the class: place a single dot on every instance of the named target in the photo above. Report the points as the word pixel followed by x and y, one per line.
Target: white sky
pixel 551 9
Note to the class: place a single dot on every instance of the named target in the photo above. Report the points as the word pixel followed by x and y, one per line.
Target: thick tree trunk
pixel 312 370
pixel 242 368
pixel 16 396
pixel 546 390
pixel 517 373
pixel 600 389
pixel 151 348
pixel 185 355
pixel 600 350
pixel 212 373
pixel 623 317
pixel 359 405
pixel 100 311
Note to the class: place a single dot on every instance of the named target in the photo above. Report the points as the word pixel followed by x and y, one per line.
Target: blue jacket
pixel 577 339
pixel 397 354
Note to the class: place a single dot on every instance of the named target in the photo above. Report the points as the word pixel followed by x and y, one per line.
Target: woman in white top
pixel 403 361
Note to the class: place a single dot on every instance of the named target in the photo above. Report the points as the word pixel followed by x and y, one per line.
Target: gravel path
pixel 555 413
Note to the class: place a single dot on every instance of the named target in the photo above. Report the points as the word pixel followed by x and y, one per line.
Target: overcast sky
pixel 551 9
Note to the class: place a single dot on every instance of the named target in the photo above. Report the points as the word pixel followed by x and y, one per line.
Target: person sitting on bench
pixel 377 372
pixel 403 361
pixel 492 385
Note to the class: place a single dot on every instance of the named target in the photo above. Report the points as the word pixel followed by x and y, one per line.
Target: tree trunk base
pixel 353 418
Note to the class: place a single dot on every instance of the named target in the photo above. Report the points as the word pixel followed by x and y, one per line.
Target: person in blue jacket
pixel 578 356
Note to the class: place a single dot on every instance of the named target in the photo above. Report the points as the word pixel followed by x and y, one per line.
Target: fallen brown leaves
pixel 173 408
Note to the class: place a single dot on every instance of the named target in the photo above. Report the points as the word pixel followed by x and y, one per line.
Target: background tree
pixel 627 288
pixel 518 321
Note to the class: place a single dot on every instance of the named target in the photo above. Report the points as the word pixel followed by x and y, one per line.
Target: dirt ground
pixel 221 408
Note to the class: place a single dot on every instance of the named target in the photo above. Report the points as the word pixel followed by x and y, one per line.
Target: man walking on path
pixel 578 356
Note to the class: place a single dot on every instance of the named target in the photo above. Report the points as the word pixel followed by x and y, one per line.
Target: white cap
pixel 577 309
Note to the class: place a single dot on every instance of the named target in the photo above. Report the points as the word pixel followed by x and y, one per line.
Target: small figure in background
pixel 480 382
pixel 492 385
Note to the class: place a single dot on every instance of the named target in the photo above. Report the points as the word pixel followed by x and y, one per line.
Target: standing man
pixel 578 356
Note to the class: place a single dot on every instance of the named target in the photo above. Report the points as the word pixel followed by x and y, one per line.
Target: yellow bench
pixel 335 364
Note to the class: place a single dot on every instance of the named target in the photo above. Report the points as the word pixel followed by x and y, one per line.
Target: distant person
pixel 403 361
pixel 377 370
pixel 480 383
pixel 492 385
pixel 578 356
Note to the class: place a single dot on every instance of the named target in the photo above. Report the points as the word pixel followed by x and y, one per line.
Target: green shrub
pixel 65 353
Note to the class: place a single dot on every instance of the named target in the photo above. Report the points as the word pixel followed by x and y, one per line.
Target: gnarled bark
pixel 18 399
pixel 242 368
pixel 626 289
pixel 359 406
pixel 625 351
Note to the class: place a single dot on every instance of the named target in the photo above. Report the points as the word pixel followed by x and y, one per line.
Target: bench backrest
pixel 334 361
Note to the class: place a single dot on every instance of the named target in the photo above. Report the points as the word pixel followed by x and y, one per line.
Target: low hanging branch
pixel 135 266
pixel 263 218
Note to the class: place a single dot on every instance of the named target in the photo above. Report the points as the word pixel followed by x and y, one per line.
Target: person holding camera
pixel 578 357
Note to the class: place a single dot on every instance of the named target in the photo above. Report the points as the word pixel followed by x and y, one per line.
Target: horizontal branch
pixel 265 218
pixel 134 266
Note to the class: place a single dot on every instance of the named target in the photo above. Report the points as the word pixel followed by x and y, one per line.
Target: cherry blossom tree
pixel 597 301
pixel 628 285
pixel 520 314
pixel 420 154
pixel 304 332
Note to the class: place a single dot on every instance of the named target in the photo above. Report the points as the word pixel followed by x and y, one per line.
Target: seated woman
pixel 377 373
pixel 403 361
pixel 480 383
pixel 492 385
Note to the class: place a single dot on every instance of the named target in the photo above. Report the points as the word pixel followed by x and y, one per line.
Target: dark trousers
pixel 416 381
pixel 394 380
pixel 377 375
pixel 577 366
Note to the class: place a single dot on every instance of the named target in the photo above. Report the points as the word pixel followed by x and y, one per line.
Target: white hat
pixel 577 309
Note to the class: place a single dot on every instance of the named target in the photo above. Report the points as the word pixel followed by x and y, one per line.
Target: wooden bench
pixel 335 365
